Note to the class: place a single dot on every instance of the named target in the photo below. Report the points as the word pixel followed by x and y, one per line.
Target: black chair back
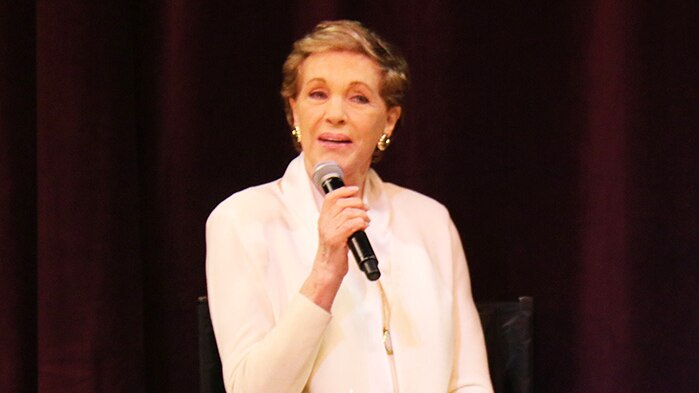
pixel 508 330
pixel 210 373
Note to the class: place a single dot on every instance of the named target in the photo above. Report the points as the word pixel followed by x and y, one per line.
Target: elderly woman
pixel 289 310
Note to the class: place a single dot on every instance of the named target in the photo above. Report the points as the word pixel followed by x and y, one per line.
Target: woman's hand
pixel 342 214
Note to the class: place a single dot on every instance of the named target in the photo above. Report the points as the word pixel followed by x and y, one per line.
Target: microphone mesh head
pixel 324 170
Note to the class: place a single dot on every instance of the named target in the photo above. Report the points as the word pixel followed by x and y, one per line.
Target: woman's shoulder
pixel 418 203
pixel 250 203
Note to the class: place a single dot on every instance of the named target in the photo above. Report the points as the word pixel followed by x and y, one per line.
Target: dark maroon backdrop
pixel 561 135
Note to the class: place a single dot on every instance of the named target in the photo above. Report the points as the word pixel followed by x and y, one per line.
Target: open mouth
pixel 334 138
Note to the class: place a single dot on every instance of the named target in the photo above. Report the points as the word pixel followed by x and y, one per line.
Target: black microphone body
pixel 358 242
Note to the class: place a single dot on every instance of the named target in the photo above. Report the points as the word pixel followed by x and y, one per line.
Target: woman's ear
pixel 392 116
pixel 292 105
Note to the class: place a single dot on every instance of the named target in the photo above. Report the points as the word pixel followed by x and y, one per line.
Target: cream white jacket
pixel 261 243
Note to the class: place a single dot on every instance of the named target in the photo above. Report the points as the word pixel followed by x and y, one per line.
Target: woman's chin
pixel 341 157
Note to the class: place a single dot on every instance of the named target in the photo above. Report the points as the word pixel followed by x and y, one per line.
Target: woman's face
pixel 340 112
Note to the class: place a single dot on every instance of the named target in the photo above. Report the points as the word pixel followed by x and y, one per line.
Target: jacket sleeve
pixel 259 353
pixel 470 370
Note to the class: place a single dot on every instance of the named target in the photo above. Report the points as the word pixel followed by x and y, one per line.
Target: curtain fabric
pixel 18 217
pixel 561 136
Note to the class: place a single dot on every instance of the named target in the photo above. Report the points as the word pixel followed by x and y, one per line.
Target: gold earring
pixel 384 141
pixel 296 133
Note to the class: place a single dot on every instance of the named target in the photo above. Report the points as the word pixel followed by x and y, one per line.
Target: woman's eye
pixel 360 99
pixel 317 95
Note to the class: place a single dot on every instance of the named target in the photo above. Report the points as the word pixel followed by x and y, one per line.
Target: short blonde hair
pixel 346 35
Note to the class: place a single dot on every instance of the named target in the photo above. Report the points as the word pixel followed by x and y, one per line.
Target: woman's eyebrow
pixel 360 83
pixel 316 80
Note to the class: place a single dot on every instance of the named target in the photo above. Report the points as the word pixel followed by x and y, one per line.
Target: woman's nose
pixel 336 111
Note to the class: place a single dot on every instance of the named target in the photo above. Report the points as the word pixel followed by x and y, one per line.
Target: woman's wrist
pixel 321 286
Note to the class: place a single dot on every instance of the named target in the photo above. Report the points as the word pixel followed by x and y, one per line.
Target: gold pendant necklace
pixel 386 318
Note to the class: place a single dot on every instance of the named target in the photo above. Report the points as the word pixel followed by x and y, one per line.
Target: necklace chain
pixel 386 320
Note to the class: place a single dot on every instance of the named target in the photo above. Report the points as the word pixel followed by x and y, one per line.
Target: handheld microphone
pixel 327 176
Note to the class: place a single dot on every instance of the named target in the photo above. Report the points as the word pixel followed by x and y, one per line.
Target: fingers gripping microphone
pixel 327 176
